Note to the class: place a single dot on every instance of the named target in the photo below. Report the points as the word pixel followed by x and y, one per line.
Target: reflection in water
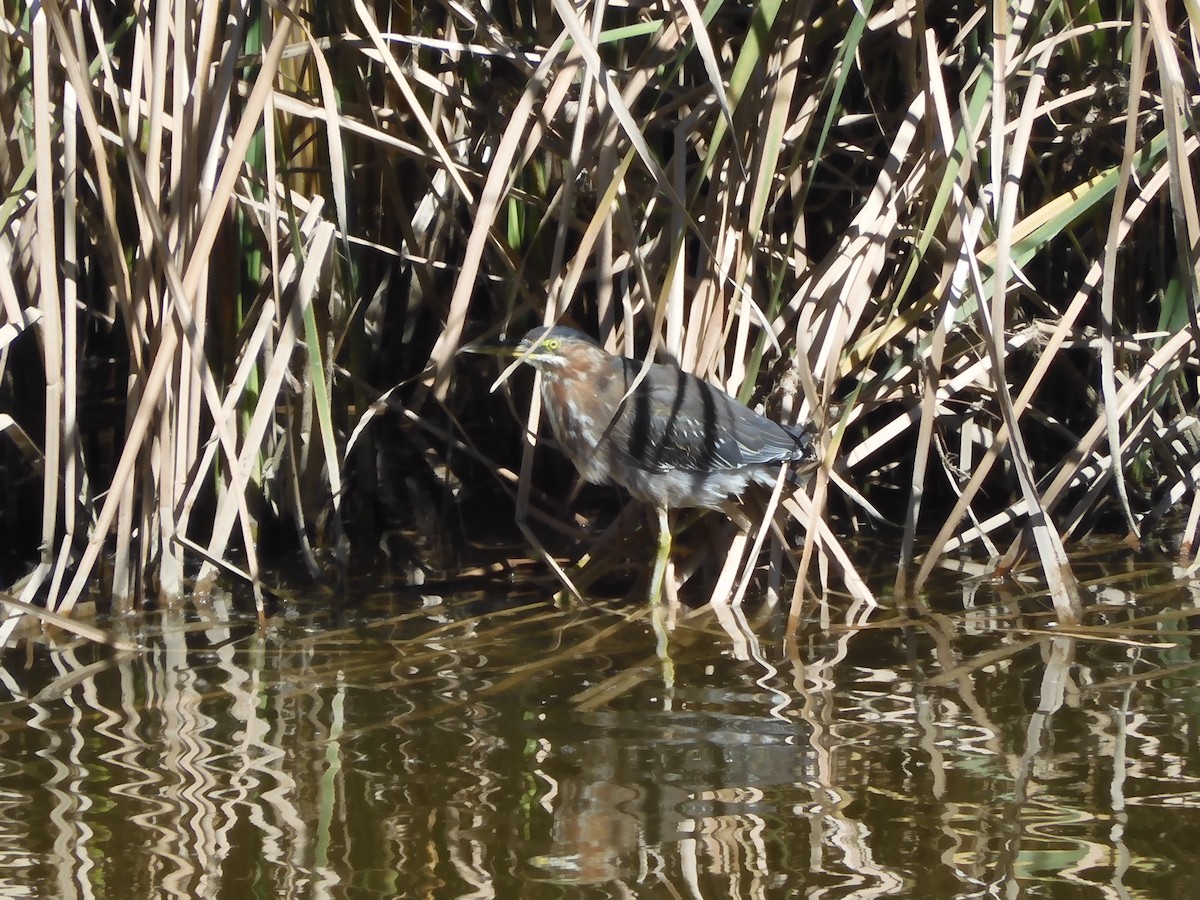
pixel 955 749
pixel 647 780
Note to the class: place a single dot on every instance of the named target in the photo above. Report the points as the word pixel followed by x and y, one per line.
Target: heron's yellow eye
pixel 551 344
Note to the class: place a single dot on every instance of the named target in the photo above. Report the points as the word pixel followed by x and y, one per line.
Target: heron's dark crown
pixel 562 332
pixel 558 349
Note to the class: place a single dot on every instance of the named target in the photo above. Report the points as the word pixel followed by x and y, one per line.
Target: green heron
pixel 673 441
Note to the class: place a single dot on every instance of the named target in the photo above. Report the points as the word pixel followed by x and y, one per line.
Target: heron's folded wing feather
pixel 675 421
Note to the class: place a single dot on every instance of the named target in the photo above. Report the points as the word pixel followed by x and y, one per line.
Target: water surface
pixel 501 746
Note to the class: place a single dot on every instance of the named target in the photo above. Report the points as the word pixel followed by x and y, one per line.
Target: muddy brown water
pixel 502 746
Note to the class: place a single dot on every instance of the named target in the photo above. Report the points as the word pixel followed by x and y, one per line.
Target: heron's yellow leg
pixel 657 611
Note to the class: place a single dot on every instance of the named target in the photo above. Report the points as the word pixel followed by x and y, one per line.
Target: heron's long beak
pixel 519 349
pixel 485 348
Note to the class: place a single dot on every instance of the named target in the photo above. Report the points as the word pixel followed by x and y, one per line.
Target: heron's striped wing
pixel 675 421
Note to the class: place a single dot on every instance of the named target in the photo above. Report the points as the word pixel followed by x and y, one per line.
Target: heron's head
pixel 553 348
pixel 556 347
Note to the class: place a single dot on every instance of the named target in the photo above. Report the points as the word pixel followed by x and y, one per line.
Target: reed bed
pixel 242 241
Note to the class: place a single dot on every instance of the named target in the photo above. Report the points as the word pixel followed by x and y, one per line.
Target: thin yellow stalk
pixel 674 287
pixel 1108 377
pixel 167 126
pixel 73 502
pixel 190 93
pixel 50 326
